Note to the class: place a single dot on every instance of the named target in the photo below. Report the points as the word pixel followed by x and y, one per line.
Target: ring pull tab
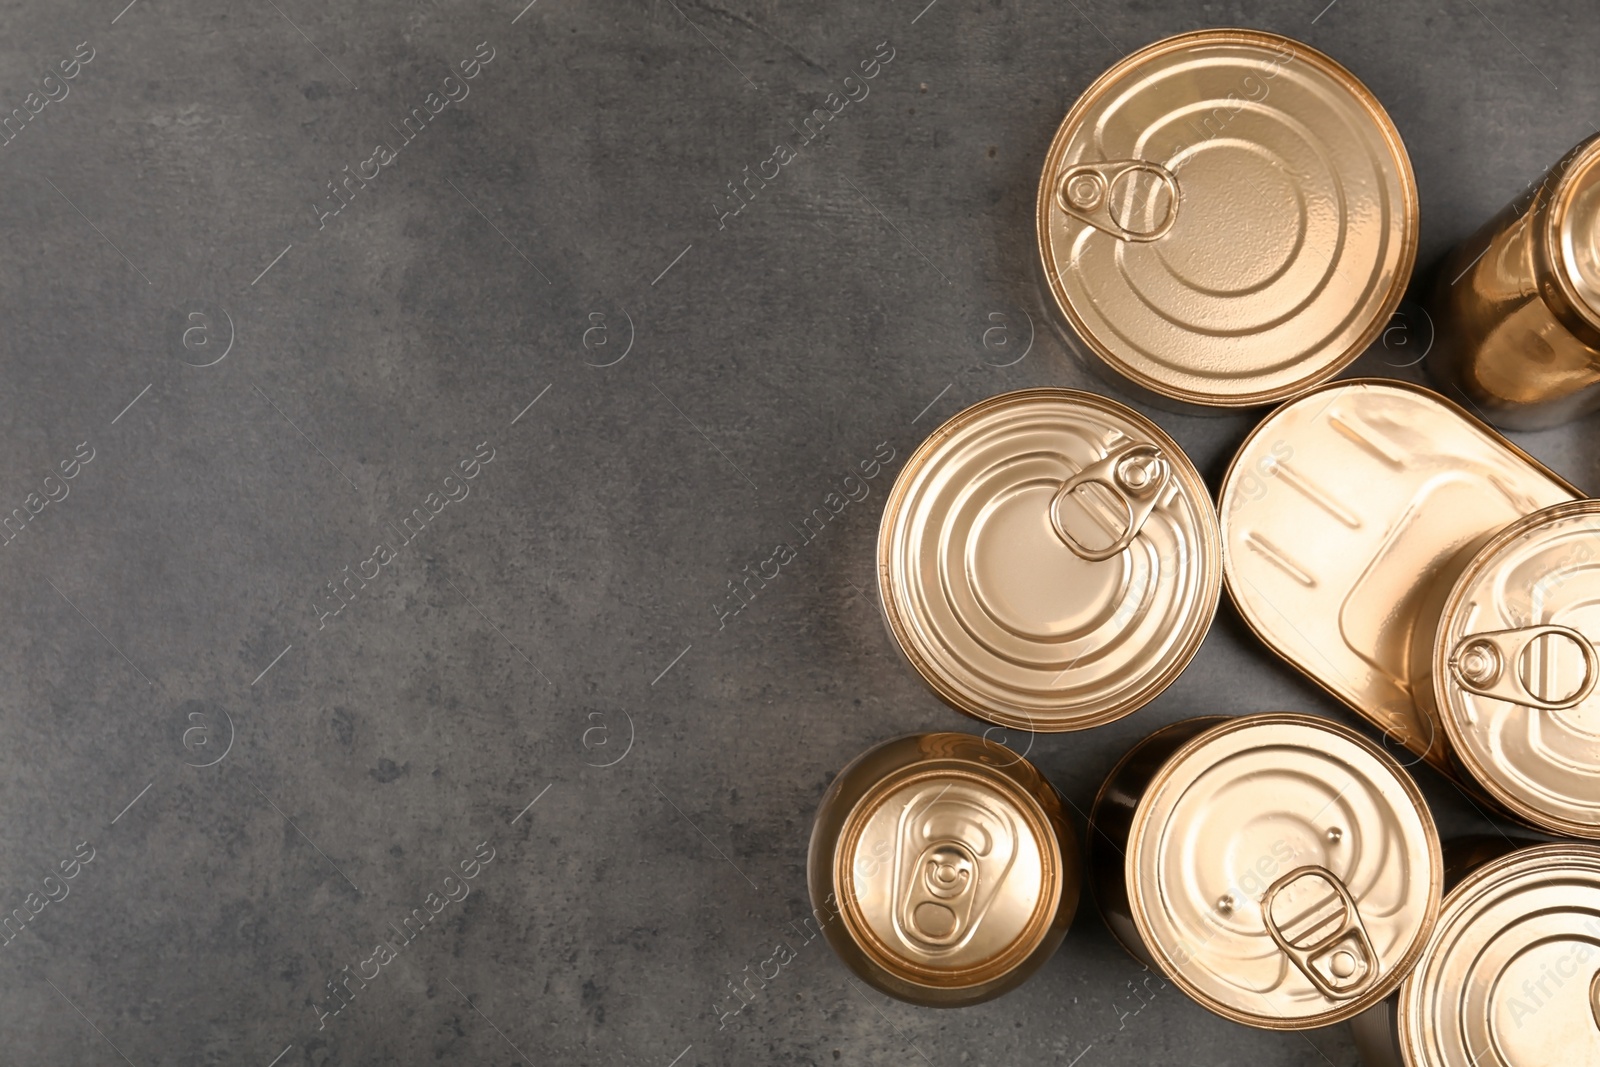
pixel 1091 192
pixel 1320 930
pixel 1135 475
pixel 1532 666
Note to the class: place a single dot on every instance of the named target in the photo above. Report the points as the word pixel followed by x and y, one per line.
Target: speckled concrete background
pixel 540 286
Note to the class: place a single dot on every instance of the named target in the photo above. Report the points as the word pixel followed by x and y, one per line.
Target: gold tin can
pixel 1511 975
pixel 1510 668
pixel 1048 560
pixel 1282 870
pixel 1517 305
pixel 950 865
pixel 1225 218
pixel 1341 517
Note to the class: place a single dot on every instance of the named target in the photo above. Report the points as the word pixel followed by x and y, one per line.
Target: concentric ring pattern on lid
pixel 1227 217
pixel 1049 560
pixel 1576 224
pixel 1511 976
pixel 1515 668
pixel 1283 871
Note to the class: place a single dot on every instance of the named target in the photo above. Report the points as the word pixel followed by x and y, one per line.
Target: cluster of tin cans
pixel 1227 219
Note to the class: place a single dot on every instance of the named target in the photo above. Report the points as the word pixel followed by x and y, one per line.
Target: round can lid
pixel 1575 225
pixel 1509 977
pixel 1515 668
pixel 1226 217
pixel 949 873
pixel 1049 560
pixel 1284 871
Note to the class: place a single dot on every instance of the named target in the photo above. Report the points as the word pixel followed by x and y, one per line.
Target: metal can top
pixel 1226 217
pixel 1284 871
pixel 953 867
pixel 1049 560
pixel 1515 668
pixel 1572 216
pixel 1509 977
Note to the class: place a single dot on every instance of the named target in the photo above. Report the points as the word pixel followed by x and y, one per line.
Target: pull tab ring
pixel 1490 665
pixel 1340 963
pixel 1085 192
pixel 1135 474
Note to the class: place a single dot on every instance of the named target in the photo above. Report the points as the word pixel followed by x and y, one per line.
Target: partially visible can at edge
pixel 1224 218
pixel 1048 560
pixel 1510 976
pixel 1345 517
pixel 1281 869
pixel 949 864
pixel 1516 307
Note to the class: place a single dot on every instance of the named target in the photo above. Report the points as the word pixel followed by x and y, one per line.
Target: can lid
pixel 1511 975
pixel 1227 216
pixel 1515 668
pixel 1049 560
pixel 949 873
pixel 1574 221
pixel 1284 871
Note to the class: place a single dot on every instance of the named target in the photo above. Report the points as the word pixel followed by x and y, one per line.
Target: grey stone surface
pixel 564 614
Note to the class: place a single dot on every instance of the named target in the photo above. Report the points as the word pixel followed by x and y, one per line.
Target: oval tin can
pixel 1516 307
pixel 1343 516
pixel 950 865
pixel 1048 560
pixel 1225 218
pixel 1281 869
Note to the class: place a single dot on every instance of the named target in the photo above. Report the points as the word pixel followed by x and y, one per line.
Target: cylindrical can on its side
pixel 1280 869
pixel 1049 560
pixel 1516 307
pixel 1225 218
pixel 948 865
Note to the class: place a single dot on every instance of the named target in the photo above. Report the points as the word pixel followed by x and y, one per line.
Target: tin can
pixel 1048 560
pixel 1342 515
pixel 1509 666
pixel 1280 869
pixel 949 866
pixel 1225 218
pixel 1516 307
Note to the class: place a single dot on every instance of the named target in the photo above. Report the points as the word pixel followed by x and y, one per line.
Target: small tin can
pixel 950 866
pixel 1282 870
pixel 1509 666
pixel 1341 517
pixel 1048 560
pixel 1225 218
pixel 1516 307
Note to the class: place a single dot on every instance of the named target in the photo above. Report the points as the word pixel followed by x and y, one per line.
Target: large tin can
pixel 1048 560
pixel 949 864
pixel 1508 665
pixel 1343 516
pixel 1516 306
pixel 1225 218
pixel 1281 869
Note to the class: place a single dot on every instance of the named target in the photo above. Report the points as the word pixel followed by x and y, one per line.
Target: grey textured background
pixel 568 604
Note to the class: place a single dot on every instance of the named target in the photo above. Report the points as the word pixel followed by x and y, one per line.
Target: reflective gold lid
pixel 1284 871
pixel 953 870
pixel 1227 217
pixel 1049 560
pixel 1573 218
pixel 1515 667
pixel 1511 975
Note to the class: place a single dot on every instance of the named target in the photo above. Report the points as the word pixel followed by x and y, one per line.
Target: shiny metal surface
pixel 1342 517
pixel 1282 870
pixel 1517 304
pixel 1510 975
pixel 1049 559
pixel 1513 668
pixel 1226 217
pixel 950 864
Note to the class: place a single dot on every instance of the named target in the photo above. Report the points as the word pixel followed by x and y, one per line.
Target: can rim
pixel 1387 983
pixel 1210 556
pixel 1553 207
pixel 1440 675
pixel 1359 92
